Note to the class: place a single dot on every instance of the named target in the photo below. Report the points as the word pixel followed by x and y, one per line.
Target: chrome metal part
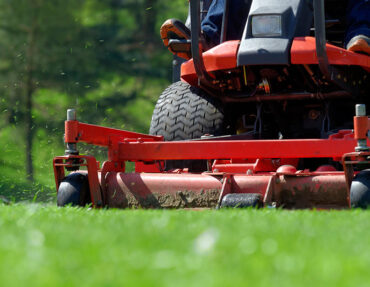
pixel 71 148
pixel 361 143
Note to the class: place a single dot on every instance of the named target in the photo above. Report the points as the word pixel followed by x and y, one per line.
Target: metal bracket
pixel 226 188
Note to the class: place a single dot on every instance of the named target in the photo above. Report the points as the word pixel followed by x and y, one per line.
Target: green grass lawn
pixel 48 246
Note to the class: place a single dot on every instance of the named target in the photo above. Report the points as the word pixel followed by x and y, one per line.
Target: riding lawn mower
pixel 275 119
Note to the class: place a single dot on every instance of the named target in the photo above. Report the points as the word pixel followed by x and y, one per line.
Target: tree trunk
pixel 150 18
pixel 29 90
pixel 29 127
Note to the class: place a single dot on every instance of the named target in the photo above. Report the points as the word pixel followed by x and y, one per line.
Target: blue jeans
pixel 358 19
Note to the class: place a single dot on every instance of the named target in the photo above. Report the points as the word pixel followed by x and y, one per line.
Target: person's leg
pixel 358 26
pixel 212 23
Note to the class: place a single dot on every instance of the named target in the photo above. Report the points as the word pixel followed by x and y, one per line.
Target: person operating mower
pixel 357 36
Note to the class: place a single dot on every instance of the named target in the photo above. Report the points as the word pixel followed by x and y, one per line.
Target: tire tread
pixel 185 112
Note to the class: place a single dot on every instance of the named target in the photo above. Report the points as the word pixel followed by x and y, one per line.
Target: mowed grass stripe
pixel 49 246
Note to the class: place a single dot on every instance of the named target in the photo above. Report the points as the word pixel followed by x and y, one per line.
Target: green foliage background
pixel 103 57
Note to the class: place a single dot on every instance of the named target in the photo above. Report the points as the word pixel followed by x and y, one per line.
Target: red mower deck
pixel 267 168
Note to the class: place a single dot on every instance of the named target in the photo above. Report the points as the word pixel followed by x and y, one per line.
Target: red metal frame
pixel 76 131
pixel 221 57
pixel 239 149
pixel 130 146
pixel 251 166
pixel 303 51
pixel 267 167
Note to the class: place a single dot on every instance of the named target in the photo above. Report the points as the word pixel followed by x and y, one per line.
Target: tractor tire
pixel 184 112
pixel 360 190
pixel 74 190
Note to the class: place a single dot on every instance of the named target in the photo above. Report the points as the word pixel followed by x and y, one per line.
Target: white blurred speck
pixel 36 238
pixel 206 241
pixel 160 222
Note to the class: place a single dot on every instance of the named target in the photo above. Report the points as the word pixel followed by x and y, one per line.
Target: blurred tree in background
pixel 39 48
pixel 103 57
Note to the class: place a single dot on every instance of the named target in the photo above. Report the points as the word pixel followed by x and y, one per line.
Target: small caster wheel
pixel 241 200
pixel 74 190
pixel 360 190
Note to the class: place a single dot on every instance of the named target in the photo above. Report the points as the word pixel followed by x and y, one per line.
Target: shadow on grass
pixel 11 191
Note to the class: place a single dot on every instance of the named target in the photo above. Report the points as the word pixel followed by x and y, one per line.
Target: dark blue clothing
pixel 212 23
pixel 358 19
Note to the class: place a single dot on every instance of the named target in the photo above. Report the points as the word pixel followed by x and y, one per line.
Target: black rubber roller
pixel 74 190
pixel 241 200
pixel 360 190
